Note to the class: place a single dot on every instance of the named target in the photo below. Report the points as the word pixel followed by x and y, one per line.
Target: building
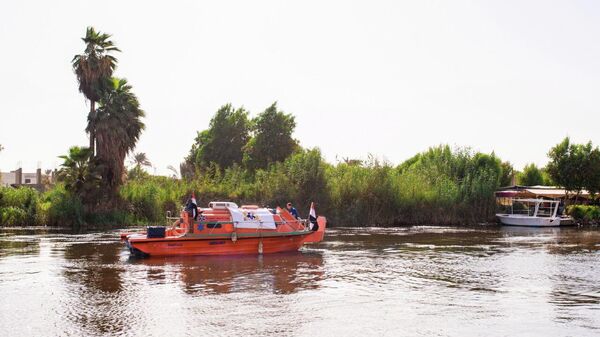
pixel 18 178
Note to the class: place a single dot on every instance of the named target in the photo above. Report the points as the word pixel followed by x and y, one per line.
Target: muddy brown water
pixel 412 281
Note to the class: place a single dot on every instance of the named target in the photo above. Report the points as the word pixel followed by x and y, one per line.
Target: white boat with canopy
pixel 530 212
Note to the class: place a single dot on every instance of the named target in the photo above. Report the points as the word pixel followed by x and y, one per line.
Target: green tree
pixel 80 173
pixel 223 142
pixel 530 176
pixel 92 68
pixel 563 167
pixel 591 168
pixel 1 148
pixel 140 160
pixel 508 173
pixel 575 166
pixel 118 128
pixel 272 141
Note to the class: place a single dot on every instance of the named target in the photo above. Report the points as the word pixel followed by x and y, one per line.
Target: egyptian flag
pixel 312 217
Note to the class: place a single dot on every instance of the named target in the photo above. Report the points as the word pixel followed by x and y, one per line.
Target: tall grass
pixel 439 186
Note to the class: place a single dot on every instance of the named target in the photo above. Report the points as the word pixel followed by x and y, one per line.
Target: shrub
pixel 25 199
pixel 60 208
pixel 584 213
pixel 12 216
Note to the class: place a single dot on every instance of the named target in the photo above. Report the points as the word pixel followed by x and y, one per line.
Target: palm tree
pixel 118 128
pixel 92 68
pixel 79 172
pixel 140 159
pixel 174 170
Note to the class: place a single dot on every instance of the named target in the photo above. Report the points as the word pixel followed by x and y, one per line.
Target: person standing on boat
pixel 293 211
pixel 191 207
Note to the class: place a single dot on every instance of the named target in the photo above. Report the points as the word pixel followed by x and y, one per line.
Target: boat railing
pixel 301 221
pixel 531 207
pixel 170 217
pixel 216 224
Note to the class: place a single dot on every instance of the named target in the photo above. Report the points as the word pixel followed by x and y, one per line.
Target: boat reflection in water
pixel 282 273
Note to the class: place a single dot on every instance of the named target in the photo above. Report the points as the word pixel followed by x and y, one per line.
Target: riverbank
pixel 439 186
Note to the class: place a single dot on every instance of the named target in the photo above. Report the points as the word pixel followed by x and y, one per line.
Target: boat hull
pixel 528 221
pixel 218 246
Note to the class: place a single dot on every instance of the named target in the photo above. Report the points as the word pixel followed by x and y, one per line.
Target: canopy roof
pixel 537 191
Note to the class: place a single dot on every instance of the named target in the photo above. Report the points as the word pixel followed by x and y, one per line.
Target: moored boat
pixel 531 212
pixel 226 229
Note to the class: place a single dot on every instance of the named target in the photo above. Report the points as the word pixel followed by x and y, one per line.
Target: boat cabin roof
pixel 537 191
pixel 536 200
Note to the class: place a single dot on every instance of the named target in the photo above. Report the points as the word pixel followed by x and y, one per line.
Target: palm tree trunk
pixel 92 119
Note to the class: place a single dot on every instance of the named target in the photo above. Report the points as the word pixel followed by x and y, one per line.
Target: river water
pixel 412 281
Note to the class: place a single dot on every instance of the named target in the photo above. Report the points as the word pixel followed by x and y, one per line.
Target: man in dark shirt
pixel 292 210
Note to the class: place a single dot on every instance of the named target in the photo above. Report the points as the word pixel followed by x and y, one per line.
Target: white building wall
pixel 8 178
pixel 29 178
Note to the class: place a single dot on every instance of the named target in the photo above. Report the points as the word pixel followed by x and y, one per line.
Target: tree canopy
pixel 575 166
pixel 93 67
pixel 223 142
pixel 233 139
pixel 272 138
pixel 80 173
pixel 140 159
pixel 531 176
pixel 118 129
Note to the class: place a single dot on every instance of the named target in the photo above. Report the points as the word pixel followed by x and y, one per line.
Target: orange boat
pixel 226 229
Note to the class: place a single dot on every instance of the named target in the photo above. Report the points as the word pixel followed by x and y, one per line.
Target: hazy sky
pixel 390 78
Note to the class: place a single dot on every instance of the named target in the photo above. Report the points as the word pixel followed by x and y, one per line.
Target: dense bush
pixel 439 186
pixel 60 208
pixel 18 206
pixel 13 216
pixel 584 213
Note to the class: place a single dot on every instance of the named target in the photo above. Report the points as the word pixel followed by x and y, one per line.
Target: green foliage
pixel 13 216
pixel 118 128
pixel 584 213
pixel 18 206
pixel 150 198
pixel 575 166
pixel 530 176
pixel 93 69
pixel 61 208
pixel 222 143
pixel 140 160
pixel 272 141
pixel 95 64
pixel 362 194
pixel 137 173
pixel 443 185
pixel 114 127
pixel 80 173
pixel 508 173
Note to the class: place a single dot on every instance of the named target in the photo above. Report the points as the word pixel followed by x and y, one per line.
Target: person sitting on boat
pixel 191 207
pixel 293 211
pixel 561 208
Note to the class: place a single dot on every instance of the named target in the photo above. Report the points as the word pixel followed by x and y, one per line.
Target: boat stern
pixel 317 236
